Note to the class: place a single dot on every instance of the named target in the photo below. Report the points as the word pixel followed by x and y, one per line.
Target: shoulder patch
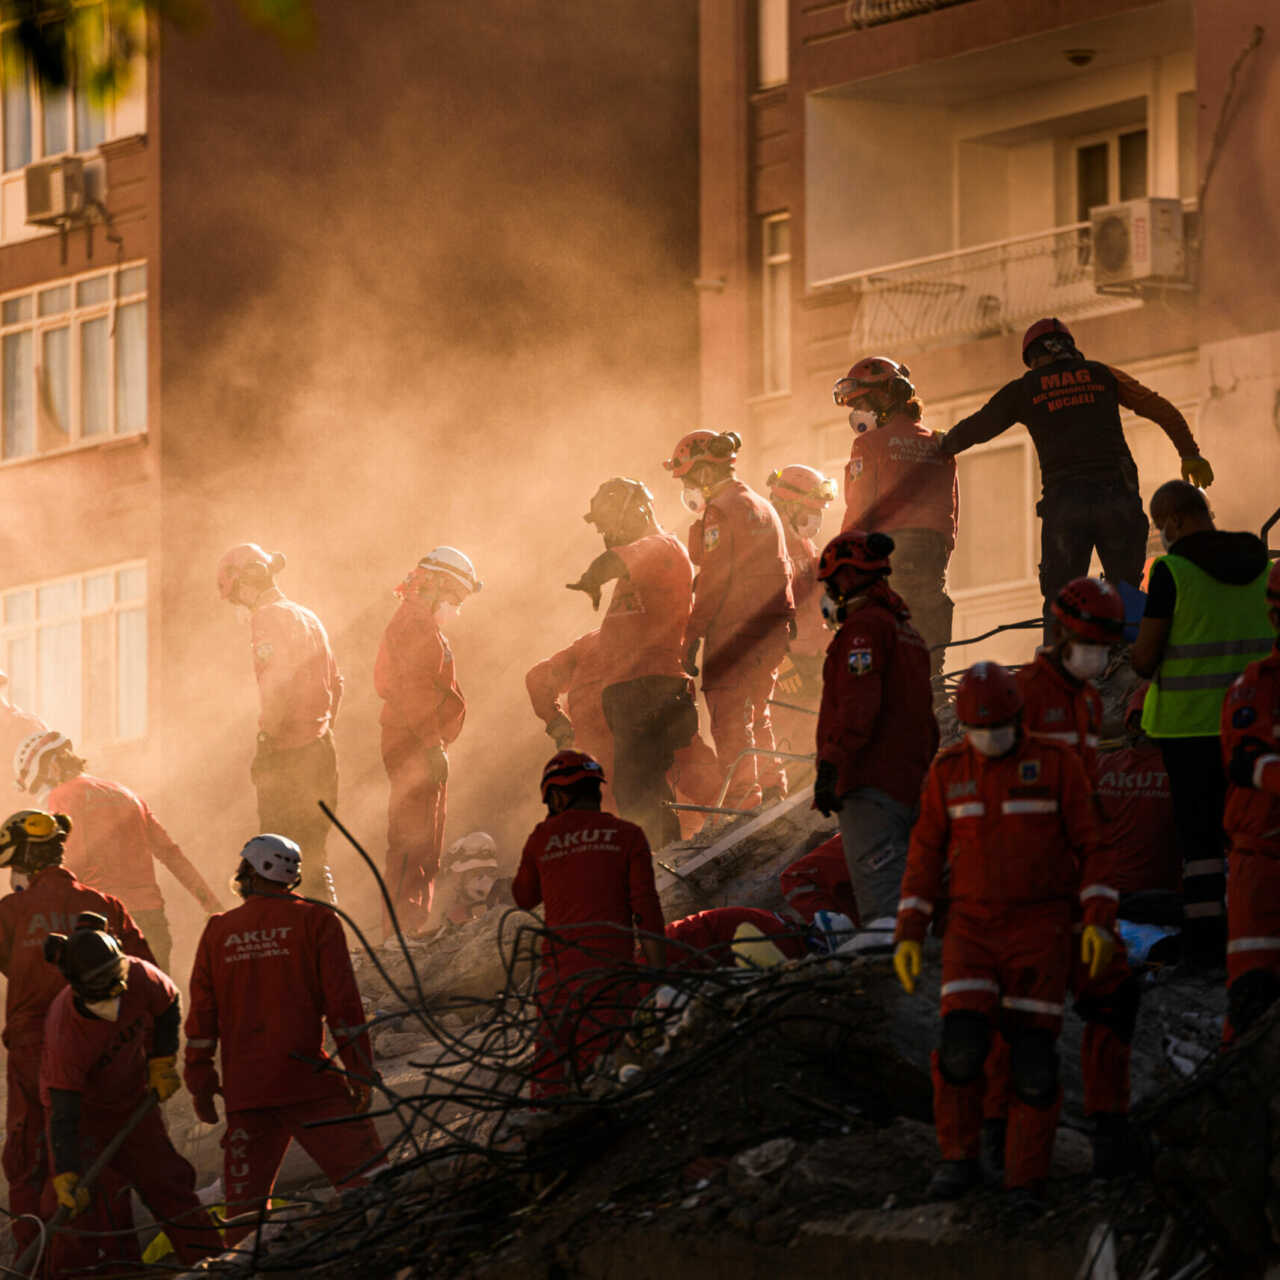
pixel 711 538
pixel 860 661
pixel 1029 771
pixel 262 652
pixel 855 468
pixel 1243 717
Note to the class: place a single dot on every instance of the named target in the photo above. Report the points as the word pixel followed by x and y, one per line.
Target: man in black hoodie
pixel 1205 621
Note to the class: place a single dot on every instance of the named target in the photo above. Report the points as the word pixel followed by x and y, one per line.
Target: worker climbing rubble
pixel 115 839
pixel 110 1036
pixel 1008 834
pixel 299 690
pixel 1071 406
pixel 269 976
pixel 743 611
pixel 876 728
pixel 422 715
pixel 899 481
pixel 469 884
pixel 46 898
pixel 1251 757
pixel 647 697
pixel 593 873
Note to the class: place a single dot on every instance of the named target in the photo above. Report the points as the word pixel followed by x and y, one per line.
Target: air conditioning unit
pixel 55 191
pixel 1139 241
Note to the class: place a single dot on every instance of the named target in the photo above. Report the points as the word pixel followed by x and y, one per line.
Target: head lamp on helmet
pixel 804 486
pixel 32 838
pixel 874 385
pixel 1047 337
pixel 719 448
pixel 568 768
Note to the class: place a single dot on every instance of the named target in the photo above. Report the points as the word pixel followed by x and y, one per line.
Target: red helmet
pixel 703 446
pixel 567 767
pixel 1273 584
pixel 1042 329
pixel 803 485
pixel 987 695
pixel 1137 700
pixel 867 552
pixel 246 557
pixel 1091 610
pixel 873 373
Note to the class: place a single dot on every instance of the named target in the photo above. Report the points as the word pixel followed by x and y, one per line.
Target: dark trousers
pixel 919 576
pixel 650 718
pixel 1079 516
pixel 290 785
pixel 1198 789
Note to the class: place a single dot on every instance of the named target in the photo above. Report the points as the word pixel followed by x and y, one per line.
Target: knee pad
pixel 1116 1010
pixel 966 1037
pixel 1250 996
pixel 1033 1066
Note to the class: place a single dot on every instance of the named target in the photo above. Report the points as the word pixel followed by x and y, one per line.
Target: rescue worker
pixel 594 874
pixel 468 885
pixel 299 688
pixel 819 881
pixel 1071 406
pixel 422 714
pixel 1251 757
pixel 46 897
pixel 269 975
pixel 876 728
pixel 705 939
pixel 110 1035
pixel 743 610
pixel 1204 621
pixel 115 839
pixel 16 726
pixel 898 481
pixel 1009 820
pixel 647 696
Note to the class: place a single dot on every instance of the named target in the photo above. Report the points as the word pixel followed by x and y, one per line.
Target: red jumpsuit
pixel 422 708
pixel 800 678
pixel 1018 836
pixel 299 688
pixel 106 1064
pixel 1134 789
pixel 49 904
pixel 705 940
pixel 819 881
pixel 742 610
pixel 594 872
pixel 1251 731
pixel 268 976
pixel 114 844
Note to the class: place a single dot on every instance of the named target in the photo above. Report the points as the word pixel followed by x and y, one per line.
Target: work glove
pixel 790 680
pixel 162 1076
pixel 585 583
pixel 205 1107
pixel 437 766
pixel 560 731
pixel 71 1195
pixel 691 656
pixel 906 964
pixel 1197 471
pixel 825 799
pixel 1096 948
pixel 361 1094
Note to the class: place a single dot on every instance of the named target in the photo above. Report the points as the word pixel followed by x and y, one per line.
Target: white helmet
pixel 274 857
pixel 453 564
pixel 470 853
pixel 29 758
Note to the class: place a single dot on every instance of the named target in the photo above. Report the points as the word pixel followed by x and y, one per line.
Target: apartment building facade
pixel 924 178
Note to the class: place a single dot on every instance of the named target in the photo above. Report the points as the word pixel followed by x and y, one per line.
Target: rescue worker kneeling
pixel 1011 819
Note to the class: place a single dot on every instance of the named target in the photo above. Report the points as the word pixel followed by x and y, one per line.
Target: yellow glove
pixel 71 1195
pixel 162 1077
pixel 789 678
pixel 906 964
pixel 1096 949
pixel 1197 471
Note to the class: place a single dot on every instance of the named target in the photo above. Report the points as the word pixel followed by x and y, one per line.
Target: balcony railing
pixel 979 292
pixel 869 13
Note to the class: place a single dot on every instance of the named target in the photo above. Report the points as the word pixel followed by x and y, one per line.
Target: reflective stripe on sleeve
pixel 915 904
pixel 1260 767
pixel 1069 736
pixel 1091 740
pixel 1205 867
pixel 1099 891
pixel 970 809
pixel 969 984
pixel 1253 944
pixel 1032 1006
pixel 1029 806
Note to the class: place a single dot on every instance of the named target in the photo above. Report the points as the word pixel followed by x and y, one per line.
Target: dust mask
pixel 108 1010
pixel 993 742
pixel 861 420
pixel 808 525
pixel 832 612
pixel 1086 661
pixel 694 501
pixel 18 880
pixel 476 888
pixel 445 611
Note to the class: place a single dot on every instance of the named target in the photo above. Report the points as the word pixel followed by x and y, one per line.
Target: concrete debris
pixel 762 1161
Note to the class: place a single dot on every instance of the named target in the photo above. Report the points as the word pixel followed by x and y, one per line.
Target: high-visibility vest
pixel 1217 629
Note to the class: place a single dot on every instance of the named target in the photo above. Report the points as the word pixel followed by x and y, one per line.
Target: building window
pixel 76 652
pixel 771 43
pixel 776 302
pixel 1109 169
pixel 39 121
pixel 994 545
pixel 73 362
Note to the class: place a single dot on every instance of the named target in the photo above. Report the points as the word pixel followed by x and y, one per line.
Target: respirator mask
pixel 808 524
pixel 861 420
pixel 694 500
pixel 1086 661
pixel 993 742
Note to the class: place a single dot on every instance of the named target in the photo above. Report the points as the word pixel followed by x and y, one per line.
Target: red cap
pixel 987 695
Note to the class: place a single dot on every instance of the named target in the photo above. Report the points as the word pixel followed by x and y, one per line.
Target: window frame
pixel 775 355
pixel 1112 139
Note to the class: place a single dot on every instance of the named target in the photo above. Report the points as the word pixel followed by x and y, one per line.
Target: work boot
pixel 1025 1204
pixel 994 1134
pixel 1110 1141
pixel 953 1178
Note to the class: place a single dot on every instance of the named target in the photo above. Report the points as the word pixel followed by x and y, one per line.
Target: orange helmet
pixel 866 552
pixel 987 695
pixel 567 767
pixel 1090 609
pixel 873 373
pixel 802 485
pixel 248 557
pixel 703 446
